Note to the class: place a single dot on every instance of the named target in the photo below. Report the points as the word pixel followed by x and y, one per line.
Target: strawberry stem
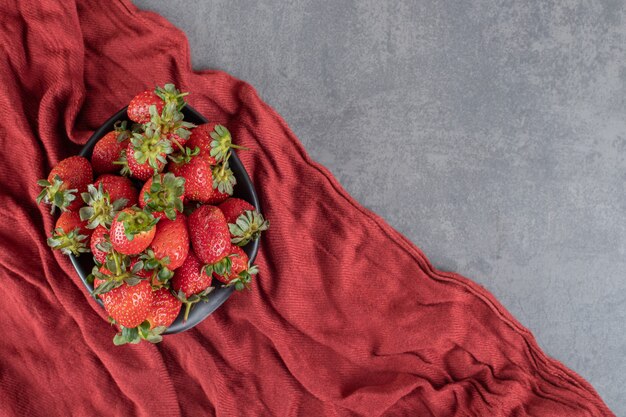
pixel 118 269
pixel 187 310
pixel 178 144
pixel 224 164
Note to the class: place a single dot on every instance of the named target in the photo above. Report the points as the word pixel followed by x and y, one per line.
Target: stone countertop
pixel 491 135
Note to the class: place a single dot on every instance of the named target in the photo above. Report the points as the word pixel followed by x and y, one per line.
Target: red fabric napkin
pixel 347 317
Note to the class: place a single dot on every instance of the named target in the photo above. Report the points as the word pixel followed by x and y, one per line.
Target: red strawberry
pixel 201 138
pixel 223 183
pixel 141 171
pixel 109 148
pixel 198 178
pixel 214 141
pixel 241 272
pixel 191 282
pixel 70 235
pixel 99 237
pixel 217 197
pixel 129 305
pixel 118 187
pixel 67 179
pixel 171 240
pixel 139 107
pixel 164 310
pixel 239 263
pixel 209 234
pixel 68 221
pixel 163 195
pixel 190 278
pixel 244 222
pixel 132 231
pixel 233 208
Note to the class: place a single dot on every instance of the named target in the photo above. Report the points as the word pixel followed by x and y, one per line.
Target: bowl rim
pixel 220 294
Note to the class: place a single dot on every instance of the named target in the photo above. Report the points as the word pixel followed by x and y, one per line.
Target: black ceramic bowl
pixel 243 189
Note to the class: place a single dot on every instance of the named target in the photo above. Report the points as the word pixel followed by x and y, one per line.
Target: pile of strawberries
pixel 159 219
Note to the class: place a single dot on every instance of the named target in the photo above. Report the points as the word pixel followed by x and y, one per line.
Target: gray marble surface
pixel 491 133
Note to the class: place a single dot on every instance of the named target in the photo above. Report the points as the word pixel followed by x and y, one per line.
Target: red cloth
pixel 346 318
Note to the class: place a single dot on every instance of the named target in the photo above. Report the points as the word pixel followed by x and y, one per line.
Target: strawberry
pixel 139 107
pixel 67 178
pixel 108 149
pixel 223 182
pixel 163 195
pixel 100 209
pixel 217 197
pixel 146 153
pixel 118 187
pixel 161 314
pixel 164 310
pixel 233 208
pixel 143 171
pixel 241 271
pixel 171 241
pixel 168 250
pixel 214 141
pixel 70 234
pixel 69 220
pixel 128 305
pixel 209 234
pixel 244 222
pixel 171 124
pixel 198 178
pixel 201 138
pixel 132 231
pixel 191 283
pixel 99 244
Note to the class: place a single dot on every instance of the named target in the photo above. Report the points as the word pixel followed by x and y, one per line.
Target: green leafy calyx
pixel 56 194
pixel 170 94
pixel 184 155
pixel 119 272
pixel 223 178
pixel 222 143
pixel 68 243
pixel 170 122
pixel 192 299
pixel 247 227
pixel 122 131
pixel 151 147
pixel 123 164
pixel 137 334
pixel 161 275
pixel 136 222
pixel 164 195
pixel 99 209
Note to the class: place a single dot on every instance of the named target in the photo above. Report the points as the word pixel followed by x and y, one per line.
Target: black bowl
pixel 243 189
